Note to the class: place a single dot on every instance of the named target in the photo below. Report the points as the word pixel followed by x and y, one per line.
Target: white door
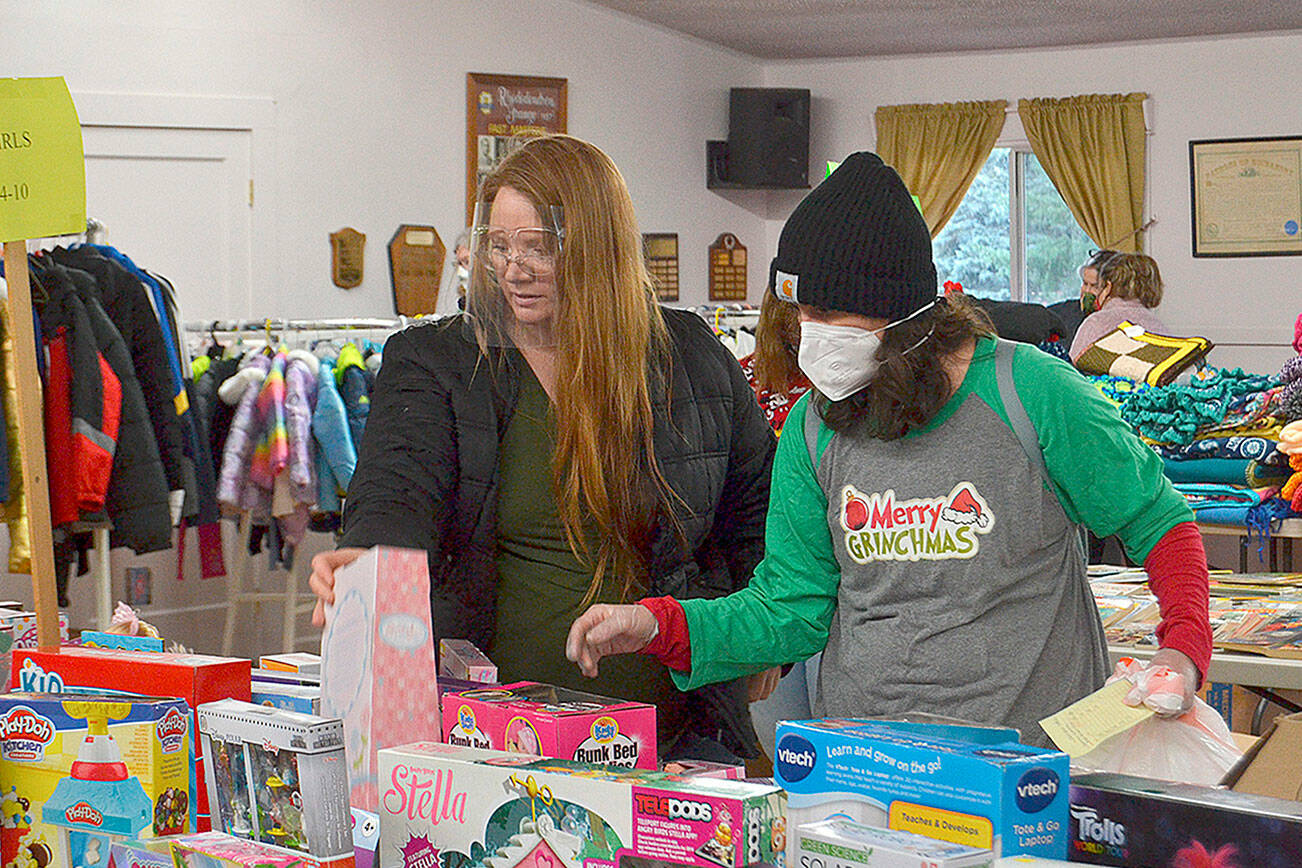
pixel 178 201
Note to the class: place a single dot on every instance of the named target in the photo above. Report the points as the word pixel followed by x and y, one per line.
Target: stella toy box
pixel 456 806
pixel 378 673
pixel 1008 797
pixel 196 678
pixel 219 850
pixel 539 719
pixel 78 772
pixel 277 776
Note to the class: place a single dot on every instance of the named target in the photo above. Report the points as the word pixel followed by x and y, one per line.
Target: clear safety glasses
pixel 532 249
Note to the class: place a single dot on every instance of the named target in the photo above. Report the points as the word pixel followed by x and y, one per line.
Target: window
pixel 1013 236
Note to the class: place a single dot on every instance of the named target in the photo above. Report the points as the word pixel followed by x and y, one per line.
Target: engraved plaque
pixel 347 248
pixel 727 269
pixel 661 250
pixel 415 268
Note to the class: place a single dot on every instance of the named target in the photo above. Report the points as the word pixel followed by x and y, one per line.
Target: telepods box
pixel 1007 797
pixel 542 720
pixel 441 803
pixel 378 673
pixel 838 843
pixel 79 771
pixel 1127 820
pixel 277 777
pixel 196 678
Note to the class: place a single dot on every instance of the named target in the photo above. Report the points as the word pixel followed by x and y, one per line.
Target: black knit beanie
pixel 857 243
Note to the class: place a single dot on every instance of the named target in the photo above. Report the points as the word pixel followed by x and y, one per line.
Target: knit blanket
pixel 1173 414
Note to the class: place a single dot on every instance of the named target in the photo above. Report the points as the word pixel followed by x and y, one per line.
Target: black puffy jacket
pixel 427 476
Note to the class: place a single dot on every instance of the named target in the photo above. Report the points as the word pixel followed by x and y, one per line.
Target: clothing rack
pixel 276 324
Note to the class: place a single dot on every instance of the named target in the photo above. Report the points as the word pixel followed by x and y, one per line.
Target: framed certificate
pixel 501 109
pixel 1246 196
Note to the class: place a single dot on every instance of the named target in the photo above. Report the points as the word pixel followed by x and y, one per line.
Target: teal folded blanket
pixel 1229 471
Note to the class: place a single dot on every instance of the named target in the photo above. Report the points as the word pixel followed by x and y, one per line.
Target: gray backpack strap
pixel 1017 418
pixel 813 422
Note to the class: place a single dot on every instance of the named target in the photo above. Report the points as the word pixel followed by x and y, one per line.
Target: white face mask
pixel 840 360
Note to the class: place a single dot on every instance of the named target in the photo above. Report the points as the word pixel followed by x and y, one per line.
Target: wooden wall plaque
pixel 727 269
pixel 347 252
pixel 415 268
pixel 661 251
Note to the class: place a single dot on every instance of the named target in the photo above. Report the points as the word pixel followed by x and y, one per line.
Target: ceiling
pixel 802 29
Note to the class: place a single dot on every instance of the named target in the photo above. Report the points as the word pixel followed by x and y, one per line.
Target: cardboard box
pixel 80 771
pixel 689 768
pixel 1272 766
pixel 303 698
pixel 542 720
pixel 118 641
pixel 138 853
pixel 1007 797
pixel 196 678
pixel 459 658
pixel 23 626
pixel 302 662
pixel 1126 820
pixel 504 810
pixel 366 838
pixel 277 676
pixel 277 776
pixel 378 673
pixel 218 850
pixel 837 843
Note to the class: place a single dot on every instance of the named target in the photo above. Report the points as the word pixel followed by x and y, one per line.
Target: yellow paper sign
pixel 42 168
pixel 1087 723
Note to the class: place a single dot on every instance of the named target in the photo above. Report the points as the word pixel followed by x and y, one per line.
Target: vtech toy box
pixel 442 803
pixel 78 772
pixel 539 719
pixel 1007 797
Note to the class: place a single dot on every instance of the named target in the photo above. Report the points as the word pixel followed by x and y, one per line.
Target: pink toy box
pixel 539 719
pixel 378 673
pixel 443 804
pixel 459 658
pixel 218 850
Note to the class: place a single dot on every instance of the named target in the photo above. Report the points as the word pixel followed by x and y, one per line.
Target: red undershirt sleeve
pixel 1177 575
pixel 672 646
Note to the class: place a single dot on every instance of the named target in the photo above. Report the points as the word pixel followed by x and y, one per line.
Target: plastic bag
pixel 1195 748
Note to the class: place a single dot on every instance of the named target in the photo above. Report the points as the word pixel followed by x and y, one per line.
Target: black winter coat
pixel 137 495
pixel 427 477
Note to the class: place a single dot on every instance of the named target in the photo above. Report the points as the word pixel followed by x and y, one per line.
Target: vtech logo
pixel 1037 789
pixel 796 758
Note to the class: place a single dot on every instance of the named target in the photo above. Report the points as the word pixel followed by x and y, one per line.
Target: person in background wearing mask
pixel 1115 288
pixel 456 275
pixel 911 536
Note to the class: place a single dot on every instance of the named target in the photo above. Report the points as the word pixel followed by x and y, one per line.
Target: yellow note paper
pixel 42 170
pixel 1087 723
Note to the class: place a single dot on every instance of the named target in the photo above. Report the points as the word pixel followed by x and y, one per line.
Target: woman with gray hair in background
pixel 1115 288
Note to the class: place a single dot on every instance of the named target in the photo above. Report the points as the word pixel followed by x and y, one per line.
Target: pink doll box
pixel 443 804
pixel 219 850
pixel 377 660
pixel 459 658
pixel 542 720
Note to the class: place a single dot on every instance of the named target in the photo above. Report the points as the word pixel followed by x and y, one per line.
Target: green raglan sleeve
pixel 782 616
pixel 1106 477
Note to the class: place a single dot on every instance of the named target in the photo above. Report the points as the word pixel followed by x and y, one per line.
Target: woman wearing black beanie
pixel 923 526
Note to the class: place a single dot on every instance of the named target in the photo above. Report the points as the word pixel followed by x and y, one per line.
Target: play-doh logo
pixel 796 758
pixel 606 744
pixel 24 735
pixel 467 733
pixel 879 528
pixel 33 679
pixel 82 812
pixel 1037 789
pixel 172 730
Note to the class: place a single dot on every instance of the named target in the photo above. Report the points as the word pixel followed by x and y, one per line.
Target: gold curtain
pixel 938 150
pixel 1092 148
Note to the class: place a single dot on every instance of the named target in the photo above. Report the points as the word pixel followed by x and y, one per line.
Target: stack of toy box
pixel 277 777
pixel 78 772
pixel 196 678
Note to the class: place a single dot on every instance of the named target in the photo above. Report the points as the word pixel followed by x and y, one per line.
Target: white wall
pixel 1223 88
pixel 370 133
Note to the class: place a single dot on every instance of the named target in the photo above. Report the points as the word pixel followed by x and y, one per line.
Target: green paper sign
pixel 42 168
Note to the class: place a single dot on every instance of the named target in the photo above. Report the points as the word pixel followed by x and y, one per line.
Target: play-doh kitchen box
pixel 539 719
pixel 440 804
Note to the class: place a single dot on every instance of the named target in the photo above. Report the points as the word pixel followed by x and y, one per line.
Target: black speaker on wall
pixel 768 137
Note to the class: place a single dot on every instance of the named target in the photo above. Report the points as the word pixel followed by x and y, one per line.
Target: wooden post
pixel 31 442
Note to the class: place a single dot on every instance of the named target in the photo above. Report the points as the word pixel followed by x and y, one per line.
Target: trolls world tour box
pixel 196 678
pixel 458 806
pixel 542 720
pixel 79 772
pixel 1004 796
